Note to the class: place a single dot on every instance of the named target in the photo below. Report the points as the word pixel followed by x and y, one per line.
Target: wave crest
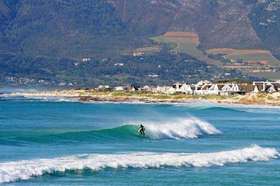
pixel 24 170
pixel 180 129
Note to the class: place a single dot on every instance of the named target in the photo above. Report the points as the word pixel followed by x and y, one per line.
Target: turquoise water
pixel 71 143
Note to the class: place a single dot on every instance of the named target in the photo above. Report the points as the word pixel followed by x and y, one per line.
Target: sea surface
pixel 59 142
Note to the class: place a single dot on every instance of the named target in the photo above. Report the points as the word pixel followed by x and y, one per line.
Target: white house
pixel 86 59
pixel 202 87
pixel 177 86
pixel 103 87
pixel 214 90
pixel 147 88
pixel 202 90
pixel 186 88
pixel 203 82
pixel 166 89
pixel 256 89
pixel 119 88
pixel 270 89
pixel 119 64
pixel 229 89
pixel 266 86
pixel 183 88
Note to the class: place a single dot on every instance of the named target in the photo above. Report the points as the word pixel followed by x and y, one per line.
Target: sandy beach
pixel 150 97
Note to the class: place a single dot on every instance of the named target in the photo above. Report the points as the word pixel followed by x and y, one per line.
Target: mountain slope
pixel 59 27
pixel 218 23
pixel 78 28
pixel 266 21
pixel 110 30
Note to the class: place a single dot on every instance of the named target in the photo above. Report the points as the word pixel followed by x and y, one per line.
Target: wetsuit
pixel 141 130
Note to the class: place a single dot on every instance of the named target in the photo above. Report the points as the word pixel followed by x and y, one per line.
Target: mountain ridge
pixel 109 30
pixel 219 23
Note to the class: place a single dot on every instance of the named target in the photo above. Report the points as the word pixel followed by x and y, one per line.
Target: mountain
pixel 55 30
pixel 80 27
pixel 58 28
pixel 265 19
pixel 219 23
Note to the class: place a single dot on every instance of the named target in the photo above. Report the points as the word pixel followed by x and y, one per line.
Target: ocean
pixel 56 142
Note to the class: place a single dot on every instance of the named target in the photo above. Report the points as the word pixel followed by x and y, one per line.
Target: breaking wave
pixel 26 169
pixel 177 129
pixel 180 129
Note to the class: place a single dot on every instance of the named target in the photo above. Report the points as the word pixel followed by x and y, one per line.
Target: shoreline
pixel 93 96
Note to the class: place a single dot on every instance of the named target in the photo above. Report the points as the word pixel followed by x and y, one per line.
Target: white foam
pixel 180 129
pixel 24 170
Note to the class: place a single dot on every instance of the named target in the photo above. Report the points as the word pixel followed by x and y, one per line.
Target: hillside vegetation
pixel 37 35
pixel 246 55
pixel 185 42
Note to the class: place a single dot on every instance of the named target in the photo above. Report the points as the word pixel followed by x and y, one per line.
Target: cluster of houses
pixel 206 88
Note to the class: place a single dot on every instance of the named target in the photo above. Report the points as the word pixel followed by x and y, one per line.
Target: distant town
pixel 230 92
pixel 204 87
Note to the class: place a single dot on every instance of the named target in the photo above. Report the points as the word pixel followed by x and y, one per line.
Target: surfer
pixel 141 130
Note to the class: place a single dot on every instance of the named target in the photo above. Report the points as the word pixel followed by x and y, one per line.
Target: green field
pixel 189 46
pixel 246 55
pixel 185 45
pixel 256 57
pixel 180 45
